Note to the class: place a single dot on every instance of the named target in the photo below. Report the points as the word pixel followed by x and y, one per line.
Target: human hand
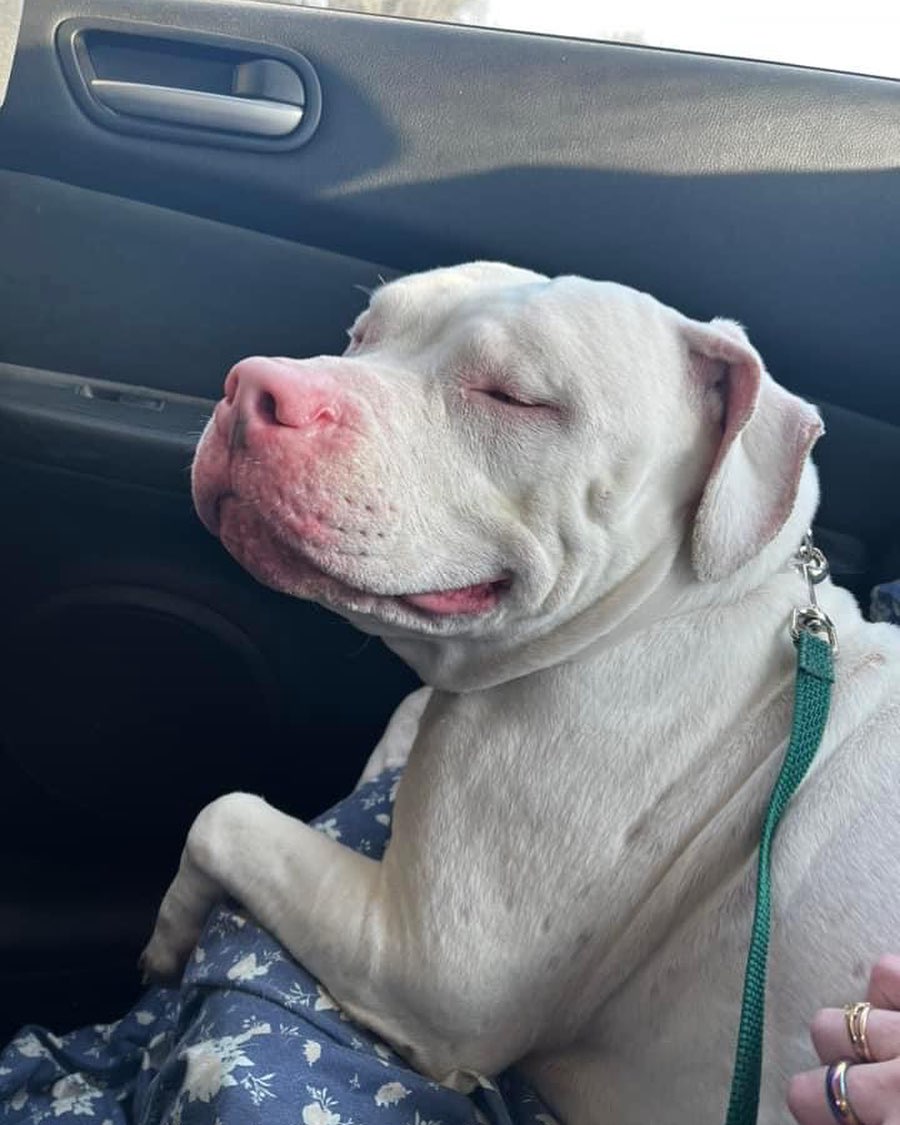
pixel 859 1046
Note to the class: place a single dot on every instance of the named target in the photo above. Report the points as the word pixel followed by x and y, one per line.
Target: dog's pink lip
pixel 476 599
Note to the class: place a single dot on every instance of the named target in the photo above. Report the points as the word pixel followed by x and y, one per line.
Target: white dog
pixel 573 511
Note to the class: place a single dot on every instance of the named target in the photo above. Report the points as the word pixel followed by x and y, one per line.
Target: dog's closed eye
pixel 505 398
pixel 360 331
pixel 511 398
pixel 356 339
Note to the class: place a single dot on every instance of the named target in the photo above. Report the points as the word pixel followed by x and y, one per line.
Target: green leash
pixel 815 641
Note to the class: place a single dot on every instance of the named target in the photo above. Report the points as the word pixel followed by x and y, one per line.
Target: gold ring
pixel 836 1094
pixel 856 1017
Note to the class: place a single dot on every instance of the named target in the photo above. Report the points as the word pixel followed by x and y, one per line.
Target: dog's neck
pixel 661 587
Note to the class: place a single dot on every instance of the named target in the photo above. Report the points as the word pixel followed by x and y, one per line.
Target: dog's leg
pixel 337 913
pixel 395 744
pixel 193 892
pixel 310 891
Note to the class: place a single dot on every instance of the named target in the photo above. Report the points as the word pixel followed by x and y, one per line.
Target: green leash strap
pixel 815 674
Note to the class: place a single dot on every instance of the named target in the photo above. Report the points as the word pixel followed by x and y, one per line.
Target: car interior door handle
pixel 199 109
pixel 189 86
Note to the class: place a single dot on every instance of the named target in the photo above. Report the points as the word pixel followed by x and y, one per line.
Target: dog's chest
pixel 580 815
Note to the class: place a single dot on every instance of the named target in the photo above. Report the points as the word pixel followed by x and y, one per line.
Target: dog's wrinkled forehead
pixel 567 330
pixel 440 290
pixel 415 311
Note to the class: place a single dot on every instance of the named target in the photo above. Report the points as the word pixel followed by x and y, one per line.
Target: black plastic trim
pixel 133 434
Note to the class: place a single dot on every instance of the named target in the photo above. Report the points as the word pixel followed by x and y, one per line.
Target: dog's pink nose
pixel 282 392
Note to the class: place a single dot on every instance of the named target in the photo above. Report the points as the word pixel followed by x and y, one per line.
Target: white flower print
pixel 104 1030
pixel 325 1003
pixel 205 1075
pixel 316 1114
pixel 210 1063
pixel 321 1110
pixel 144 1018
pixel 390 1093
pixel 545 1119
pixel 258 1087
pixel 224 923
pixel 30 1046
pixel 199 955
pixel 248 968
pixel 329 828
pixel 19 1098
pixel 299 995
pixel 383 1053
pixel 74 1094
pixel 312 1051
pixel 384 819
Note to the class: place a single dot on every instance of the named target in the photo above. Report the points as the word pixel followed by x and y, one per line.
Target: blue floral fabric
pixel 886 602
pixel 248 1037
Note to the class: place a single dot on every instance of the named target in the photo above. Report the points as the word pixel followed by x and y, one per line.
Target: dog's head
pixel 496 451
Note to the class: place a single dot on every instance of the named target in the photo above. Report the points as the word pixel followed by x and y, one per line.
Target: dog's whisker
pixel 360 649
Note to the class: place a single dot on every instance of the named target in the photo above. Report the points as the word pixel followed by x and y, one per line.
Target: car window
pixel 861 37
pixel 10 17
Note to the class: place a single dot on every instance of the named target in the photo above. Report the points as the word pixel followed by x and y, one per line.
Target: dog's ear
pixel 766 436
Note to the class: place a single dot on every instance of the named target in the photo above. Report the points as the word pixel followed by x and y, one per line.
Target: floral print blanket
pixel 248 1037
pixel 886 602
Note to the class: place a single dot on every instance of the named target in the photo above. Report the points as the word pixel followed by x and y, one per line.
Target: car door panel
pixel 115 289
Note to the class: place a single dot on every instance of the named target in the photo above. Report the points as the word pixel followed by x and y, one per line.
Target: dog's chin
pixel 303 571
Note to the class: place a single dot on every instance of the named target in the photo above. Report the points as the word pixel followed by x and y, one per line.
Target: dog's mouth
pixel 287 564
pixel 480 598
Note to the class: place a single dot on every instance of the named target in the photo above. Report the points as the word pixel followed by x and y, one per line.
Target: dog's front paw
pixel 159 963
pixel 179 923
pixel 166 953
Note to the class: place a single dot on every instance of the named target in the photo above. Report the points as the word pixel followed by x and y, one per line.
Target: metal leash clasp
pixel 813 566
